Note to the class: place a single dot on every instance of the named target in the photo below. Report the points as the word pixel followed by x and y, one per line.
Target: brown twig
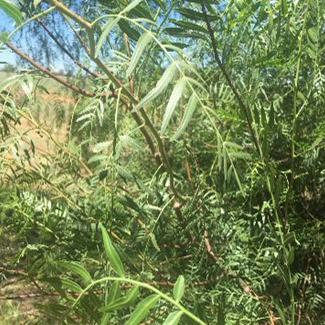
pixel 55 77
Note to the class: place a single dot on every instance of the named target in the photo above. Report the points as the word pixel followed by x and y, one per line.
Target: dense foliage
pixel 191 151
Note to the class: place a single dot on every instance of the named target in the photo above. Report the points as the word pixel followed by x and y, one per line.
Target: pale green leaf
pixel 179 288
pixel 189 110
pixel 111 253
pixel 105 32
pixel 163 82
pixel 142 309
pixel 132 5
pixel 173 100
pixel 173 318
pixel 143 41
pixel 37 2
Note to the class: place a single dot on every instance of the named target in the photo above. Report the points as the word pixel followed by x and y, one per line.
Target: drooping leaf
pixel 173 100
pixel 143 41
pixel 105 32
pixel 163 82
pixel 189 110
pixel 111 253
pixel 179 288
pixel 142 309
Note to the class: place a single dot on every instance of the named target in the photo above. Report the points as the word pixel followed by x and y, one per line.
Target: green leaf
pixel 189 110
pixel 37 2
pixel 143 41
pixel 111 253
pixel 173 318
pixel 284 7
pixel 130 31
pixel 105 319
pixel 4 38
pixel 313 34
pixel 179 288
pixel 163 82
pixel 173 100
pixel 132 5
pixel 142 309
pixel 77 269
pixel 123 302
pixel 154 242
pixel 105 31
pixel 11 11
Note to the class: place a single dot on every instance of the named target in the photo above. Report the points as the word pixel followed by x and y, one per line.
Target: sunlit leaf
pixel 173 100
pixel 163 82
pixel 188 113
pixel 143 41
pixel 105 32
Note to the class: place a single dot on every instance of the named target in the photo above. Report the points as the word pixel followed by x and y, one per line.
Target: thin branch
pixel 63 49
pixel 242 105
pixel 55 77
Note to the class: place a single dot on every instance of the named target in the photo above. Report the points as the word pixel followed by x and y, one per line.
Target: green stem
pixel 143 285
